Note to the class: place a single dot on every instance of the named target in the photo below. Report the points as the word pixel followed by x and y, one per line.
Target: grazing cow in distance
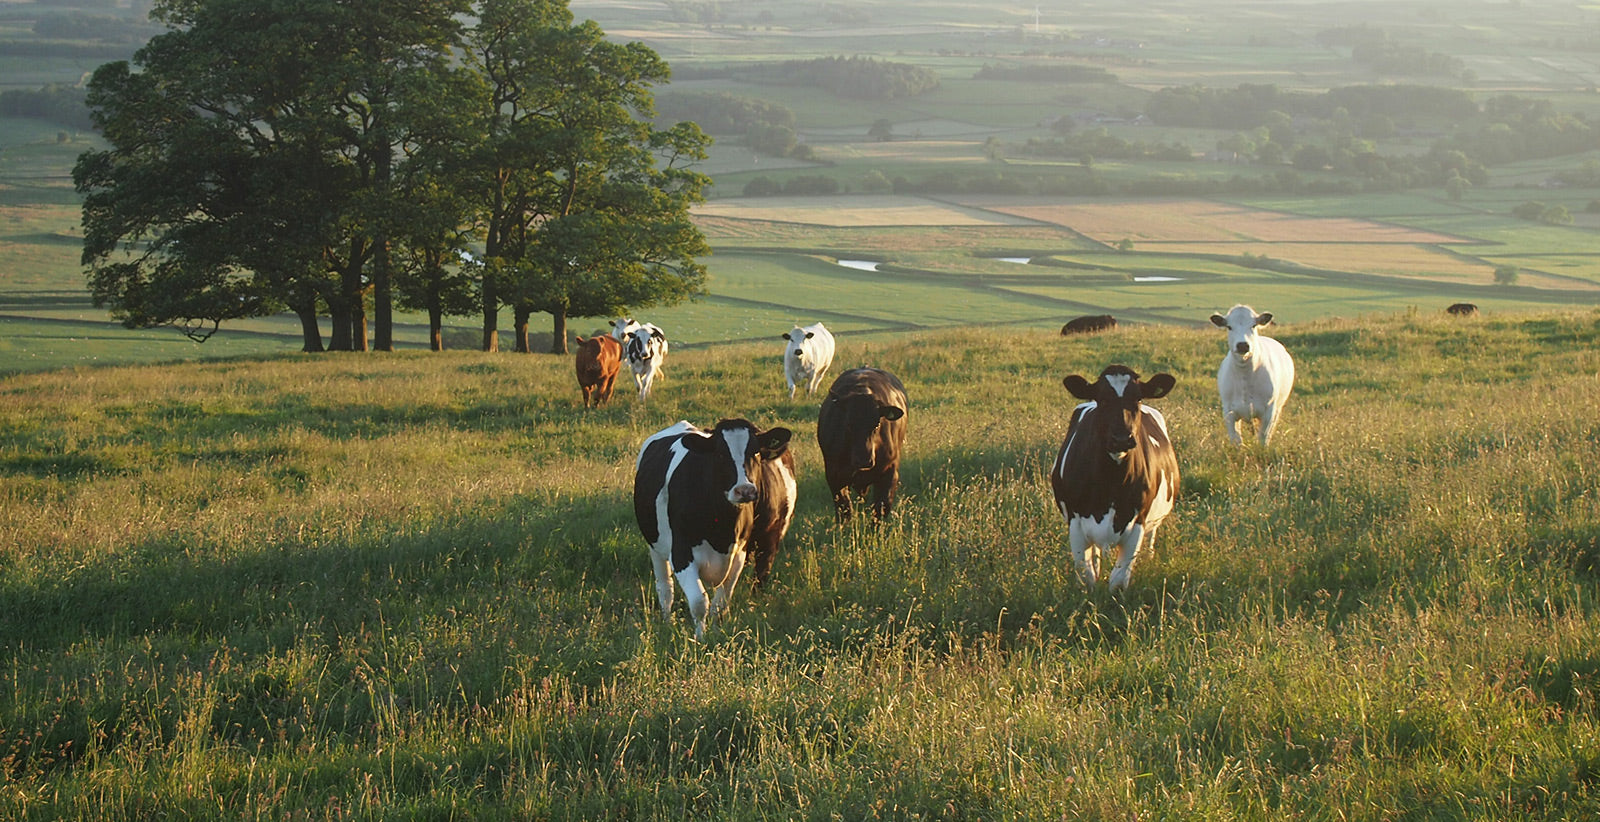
pixel 646 351
pixel 1116 478
pixel 702 499
pixel 807 353
pixel 861 430
pixel 1256 376
pixel 1462 309
pixel 597 361
pixel 1089 324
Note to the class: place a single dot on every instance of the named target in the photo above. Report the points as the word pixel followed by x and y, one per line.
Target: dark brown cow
pixel 1089 324
pixel 861 429
pixel 1117 475
pixel 598 360
pixel 1463 309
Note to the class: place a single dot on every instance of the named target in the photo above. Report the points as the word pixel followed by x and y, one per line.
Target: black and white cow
pixel 1117 476
pixel 645 349
pixel 703 498
pixel 861 429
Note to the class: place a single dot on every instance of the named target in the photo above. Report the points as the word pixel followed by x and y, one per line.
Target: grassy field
pixel 242 583
pixel 410 586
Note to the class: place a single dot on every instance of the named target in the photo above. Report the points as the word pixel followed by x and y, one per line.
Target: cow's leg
pixel 1230 424
pixel 724 592
pixel 606 384
pixel 841 499
pixel 663 569
pixel 816 380
pixel 1085 554
pixel 763 549
pixel 883 494
pixel 694 594
pixel 1132 540
pixel 1269 420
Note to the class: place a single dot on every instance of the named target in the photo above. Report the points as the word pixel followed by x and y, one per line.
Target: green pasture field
pixel 410 586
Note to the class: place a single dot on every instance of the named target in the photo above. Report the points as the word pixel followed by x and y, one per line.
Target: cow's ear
pixel 699 443
pixel 577 338
pixel 1263 318
pixel 891 412
pixel 1079 387
pixel 774 441
pixel 1159 386
pixel 810 334
pixel 787 337
pixel 658 333
pixel 1219 321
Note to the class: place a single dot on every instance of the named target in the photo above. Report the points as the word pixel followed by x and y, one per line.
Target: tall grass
pixel 410 586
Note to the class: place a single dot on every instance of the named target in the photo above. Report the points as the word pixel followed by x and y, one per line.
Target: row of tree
pixel 444 156
pixel 59 103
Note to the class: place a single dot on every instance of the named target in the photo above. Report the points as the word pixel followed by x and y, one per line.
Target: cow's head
pixel 622 329
pixel 1117 394
pixel 736 448
pixel 643 342
pixel 797 339
pixel 1241 322
pixel 862 414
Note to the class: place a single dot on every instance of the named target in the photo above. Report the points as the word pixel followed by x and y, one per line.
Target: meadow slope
pixel 409 586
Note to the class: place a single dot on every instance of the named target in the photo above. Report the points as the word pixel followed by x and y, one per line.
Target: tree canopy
pixel 374 153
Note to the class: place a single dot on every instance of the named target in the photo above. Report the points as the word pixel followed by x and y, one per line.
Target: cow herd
pixel 708 501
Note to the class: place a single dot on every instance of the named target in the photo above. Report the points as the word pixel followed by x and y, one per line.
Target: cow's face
pixel 736 448
pixel 797 339
pixel 643 342
pixel 862 418
pixel 1241 322
pixel 1117 420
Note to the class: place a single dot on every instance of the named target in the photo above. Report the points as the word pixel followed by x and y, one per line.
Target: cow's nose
pixel 1242 348
pixel 1122 444
pixel 744 492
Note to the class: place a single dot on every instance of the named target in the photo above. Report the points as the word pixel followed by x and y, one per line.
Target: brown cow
pixel 861 429
pixel 1089 324
pixel 598 360
pixel 1462 309
pixel 1117 475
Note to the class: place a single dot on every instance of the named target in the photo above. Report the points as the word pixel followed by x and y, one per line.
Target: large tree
pixel 252 160
pixel 321 156
pixel 585 204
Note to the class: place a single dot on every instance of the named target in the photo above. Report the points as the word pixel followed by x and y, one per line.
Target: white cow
pixel 1256 374
pixel 622 329
pixel 807 353
pixel 646 351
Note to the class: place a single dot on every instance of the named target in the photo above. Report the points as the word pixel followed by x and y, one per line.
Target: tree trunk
pixel 382 298
pixel 521 331
pixel 558 331
pixel 341 337
pixel 491 319
pixel 310 333
pixel 358 326
pixel 435 328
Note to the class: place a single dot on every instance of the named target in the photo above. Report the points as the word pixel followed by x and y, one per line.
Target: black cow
pixel 861 430
pixel 1089 324
pixel 1463 309
pixel 703 498
pixel 1117 475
